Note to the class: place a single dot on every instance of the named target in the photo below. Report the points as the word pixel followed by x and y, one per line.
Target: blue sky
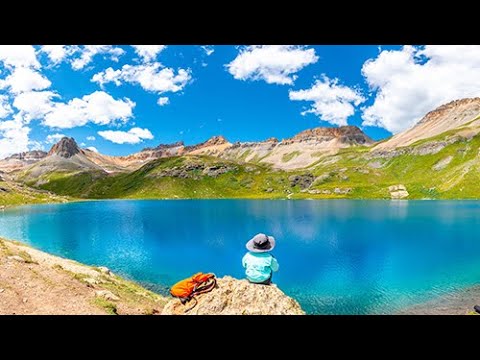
pixel 120 99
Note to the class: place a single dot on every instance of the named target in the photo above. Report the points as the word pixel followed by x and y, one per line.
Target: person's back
pixel 259 264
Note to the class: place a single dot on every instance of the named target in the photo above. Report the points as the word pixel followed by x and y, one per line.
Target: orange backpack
pixel 186 289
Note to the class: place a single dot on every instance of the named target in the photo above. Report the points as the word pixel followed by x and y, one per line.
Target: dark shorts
pixel 266 282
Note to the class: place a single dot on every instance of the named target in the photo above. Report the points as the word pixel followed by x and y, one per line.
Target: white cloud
pixel 54 138
pixel 162 101
pixel 148 52
pixel 13 137
pixel 24 79
pixel 209 49
pixel 133 136
pixel 91 138
pixel 151 77
pixel 5 108
pixel 92 148
pixel 58 53
pixel 414 80
pixel 332 102
pixel 87 52
pixel 14 56
pixel 35 104
pixel 99 108
pixel 275 64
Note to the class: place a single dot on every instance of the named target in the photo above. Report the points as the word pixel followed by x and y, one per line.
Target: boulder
pixel 238 297
pixel 304 181
pixel 107 295
pixel 398 191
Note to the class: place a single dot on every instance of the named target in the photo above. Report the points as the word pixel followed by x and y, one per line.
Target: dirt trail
pixel 33 282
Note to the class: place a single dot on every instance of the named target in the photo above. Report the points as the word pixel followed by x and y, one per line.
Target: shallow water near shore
pixel 336 256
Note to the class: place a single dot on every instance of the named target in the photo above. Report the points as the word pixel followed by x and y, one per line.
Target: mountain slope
pixel 460 114
pixel 300 151
pixel 64 159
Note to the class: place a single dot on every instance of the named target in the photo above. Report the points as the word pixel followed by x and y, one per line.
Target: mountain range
pixel 436 158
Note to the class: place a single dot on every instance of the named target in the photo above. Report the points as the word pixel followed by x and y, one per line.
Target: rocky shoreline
pixel 34 282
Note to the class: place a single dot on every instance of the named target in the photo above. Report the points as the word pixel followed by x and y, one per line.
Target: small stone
pixel 25 300
pixel 106 294
pixel 104 270
pixel 2 290
pixel 90 281
pixel 17 258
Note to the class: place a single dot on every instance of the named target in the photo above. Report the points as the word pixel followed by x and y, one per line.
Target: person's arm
pixel 274 264
pixel 244 261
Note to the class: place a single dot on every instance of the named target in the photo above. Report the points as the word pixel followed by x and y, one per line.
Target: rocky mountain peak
pixel 215 140
pixel 66 148
pixel 345 134
pixel 462 105
pixel 33 155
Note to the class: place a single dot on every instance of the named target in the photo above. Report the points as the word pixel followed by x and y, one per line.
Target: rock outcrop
pixel 398 191
pixel 66 148
pixel 455 114
pixel 350 135
pixel 238 297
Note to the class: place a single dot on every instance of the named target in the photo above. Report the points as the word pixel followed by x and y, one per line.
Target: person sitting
pixel 259 264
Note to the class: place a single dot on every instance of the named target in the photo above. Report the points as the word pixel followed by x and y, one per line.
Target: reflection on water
pixel 336 257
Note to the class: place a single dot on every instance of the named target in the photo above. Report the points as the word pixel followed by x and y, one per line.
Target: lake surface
pixel 336 256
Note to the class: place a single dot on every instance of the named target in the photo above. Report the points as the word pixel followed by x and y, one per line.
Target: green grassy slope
pixel 12 194
pixel 352 173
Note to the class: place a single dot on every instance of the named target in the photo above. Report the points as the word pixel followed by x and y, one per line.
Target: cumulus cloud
pixel 209 49
pixel 332 102
pixel 162 101
pixel 87 53
pixel 54 138
pixel 99 108
pixel 151 77
pixel 133 136
pixel 274 64
pixel 13 137
pixel 58 53
pixel 414 80
pixel 35 104
pixel 91 138
pixel 148 52
pixel 5 108
pixel 24 79
pixel 13 56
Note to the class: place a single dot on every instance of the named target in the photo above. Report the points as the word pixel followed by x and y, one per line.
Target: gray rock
pixel 322 178
pixel 2 290
pixel 269 190
pixel 397 188
pixel 398 191
pixel 344 191
pixel 107 295
pixel 238 297
pixel 105 270
pixel 375 164
pixel 304 181
pixel 399 194
pixel 442 164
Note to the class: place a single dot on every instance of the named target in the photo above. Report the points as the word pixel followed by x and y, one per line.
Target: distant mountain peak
pixel 66 148
pixel 346 134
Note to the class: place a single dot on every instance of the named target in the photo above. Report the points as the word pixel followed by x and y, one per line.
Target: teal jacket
pixel 259 266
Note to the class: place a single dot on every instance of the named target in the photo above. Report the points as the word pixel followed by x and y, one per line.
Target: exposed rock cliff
pixel 238 297
pixel 66 148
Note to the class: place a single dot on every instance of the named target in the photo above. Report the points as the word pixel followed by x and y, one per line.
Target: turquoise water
pixel 336 257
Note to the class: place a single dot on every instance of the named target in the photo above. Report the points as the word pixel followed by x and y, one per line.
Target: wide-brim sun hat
pixel 261 243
